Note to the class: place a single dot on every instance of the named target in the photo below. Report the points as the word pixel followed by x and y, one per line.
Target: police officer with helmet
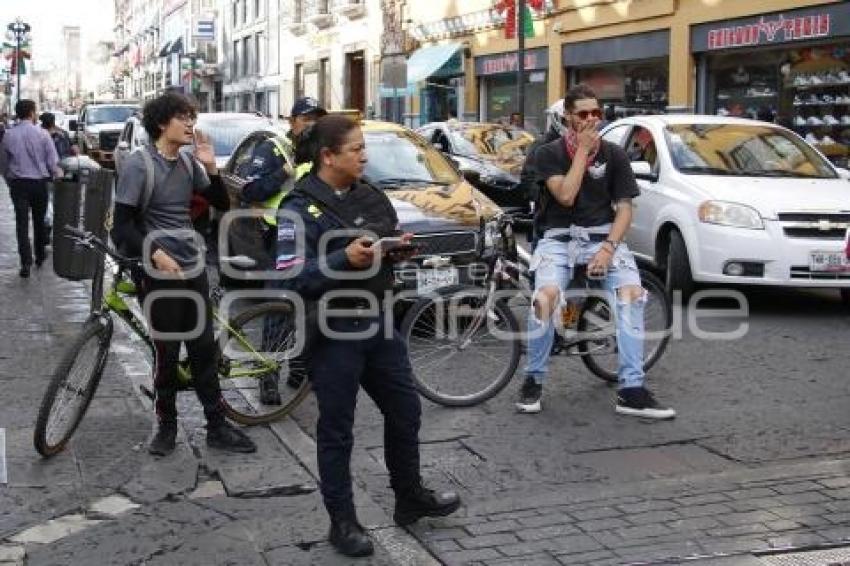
pixel 266 176
pixel 332 197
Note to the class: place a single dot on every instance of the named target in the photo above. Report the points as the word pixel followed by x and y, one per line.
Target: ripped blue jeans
pixel 553 263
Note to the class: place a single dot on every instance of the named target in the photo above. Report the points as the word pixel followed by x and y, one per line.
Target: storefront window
pixel 806 89
pixel 501 99
pixel 634 88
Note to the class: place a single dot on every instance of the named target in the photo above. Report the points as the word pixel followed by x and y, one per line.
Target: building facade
pixel 167 44
pixel 71 71
pixel 250 43
pixel 640 56
pixel 330 49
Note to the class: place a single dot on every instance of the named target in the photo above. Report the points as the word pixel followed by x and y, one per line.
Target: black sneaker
pixel 639 402
pixel 225 436
pixel 164 440
pixel 423 502
pixel 269 393
pixel 529 396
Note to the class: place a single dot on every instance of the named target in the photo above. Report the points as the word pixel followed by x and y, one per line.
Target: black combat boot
pixel 348 537
pixel 164 440
pixel 422 502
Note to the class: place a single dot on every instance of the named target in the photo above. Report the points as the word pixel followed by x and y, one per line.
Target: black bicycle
pixel 465 342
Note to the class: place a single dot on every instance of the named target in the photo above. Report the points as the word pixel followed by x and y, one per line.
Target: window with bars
pixel 299 81
pixel 247 60
pixel 259 54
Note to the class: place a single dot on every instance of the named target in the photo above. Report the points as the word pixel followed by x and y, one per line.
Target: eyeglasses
pixel 583 114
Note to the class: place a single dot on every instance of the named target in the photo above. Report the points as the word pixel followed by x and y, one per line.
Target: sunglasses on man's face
pixel 585 114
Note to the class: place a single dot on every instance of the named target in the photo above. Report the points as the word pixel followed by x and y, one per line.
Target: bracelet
pixel 613 244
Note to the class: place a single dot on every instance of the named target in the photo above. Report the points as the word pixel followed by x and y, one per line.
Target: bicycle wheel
pixel 259 341
pixel 72 386
pixel 599 353
pixel 454 346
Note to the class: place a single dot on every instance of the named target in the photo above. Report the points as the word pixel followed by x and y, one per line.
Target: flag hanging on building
pixel 16 57
pixel 509 8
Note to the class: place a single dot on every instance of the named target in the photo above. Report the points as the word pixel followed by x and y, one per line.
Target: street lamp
pixel 18 30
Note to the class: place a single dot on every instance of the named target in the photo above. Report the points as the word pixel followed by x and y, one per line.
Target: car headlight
pixel 93 140
pixel 730 214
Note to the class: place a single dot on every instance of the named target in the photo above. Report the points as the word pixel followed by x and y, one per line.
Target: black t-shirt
pixel 607 180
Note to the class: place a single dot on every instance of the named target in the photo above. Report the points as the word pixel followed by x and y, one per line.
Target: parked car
pixel 431 198
pixel 490 156
pixel 99 128
pixel 225 129
pixel 726 200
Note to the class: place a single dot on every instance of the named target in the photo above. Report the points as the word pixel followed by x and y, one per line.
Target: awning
pixel 177 46
pixel 165 49
pixel 444 60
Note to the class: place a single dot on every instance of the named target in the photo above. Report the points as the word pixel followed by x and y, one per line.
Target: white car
pixel 225 129
pixel 732 201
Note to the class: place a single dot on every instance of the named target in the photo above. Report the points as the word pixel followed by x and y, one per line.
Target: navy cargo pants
pixel 338 368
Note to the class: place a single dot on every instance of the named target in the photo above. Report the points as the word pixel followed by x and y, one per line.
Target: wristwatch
pixel 613 243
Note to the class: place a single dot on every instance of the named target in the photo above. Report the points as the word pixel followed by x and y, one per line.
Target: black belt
pixel 591 237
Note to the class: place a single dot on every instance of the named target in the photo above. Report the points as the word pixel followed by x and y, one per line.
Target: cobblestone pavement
pixel 755 462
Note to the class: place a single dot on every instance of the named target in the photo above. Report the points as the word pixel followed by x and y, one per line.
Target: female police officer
pixel 332 198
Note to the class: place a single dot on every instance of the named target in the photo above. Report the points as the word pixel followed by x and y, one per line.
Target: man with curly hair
pixel 152 216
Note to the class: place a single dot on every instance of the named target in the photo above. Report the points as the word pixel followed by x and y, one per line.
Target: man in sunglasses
pixel 584 211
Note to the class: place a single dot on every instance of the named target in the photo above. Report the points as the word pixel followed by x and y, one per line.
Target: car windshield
pixel 494 141
pixel 109 114
pixel 398 158
pixel 744 150
pixel 226 132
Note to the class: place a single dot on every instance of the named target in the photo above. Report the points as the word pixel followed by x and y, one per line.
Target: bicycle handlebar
pixel 90 240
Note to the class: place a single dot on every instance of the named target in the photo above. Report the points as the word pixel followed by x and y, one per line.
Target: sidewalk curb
pixel 402 547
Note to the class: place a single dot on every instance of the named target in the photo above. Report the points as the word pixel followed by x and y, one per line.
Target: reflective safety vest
pixel 273 202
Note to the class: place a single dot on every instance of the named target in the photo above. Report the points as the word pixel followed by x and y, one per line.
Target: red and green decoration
pixel 17 57
pixel 187 74
pixel 509 8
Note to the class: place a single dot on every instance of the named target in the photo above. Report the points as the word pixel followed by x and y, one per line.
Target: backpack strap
pixel 189 163
pixel 149 181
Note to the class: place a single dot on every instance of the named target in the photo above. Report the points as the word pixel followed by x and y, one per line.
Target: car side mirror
pixel 123 145
pixel 643 170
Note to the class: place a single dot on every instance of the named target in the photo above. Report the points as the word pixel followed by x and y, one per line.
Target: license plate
pixel 428 280
pixel 829 261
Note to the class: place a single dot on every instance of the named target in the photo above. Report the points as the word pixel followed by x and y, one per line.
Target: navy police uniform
pixel 338 368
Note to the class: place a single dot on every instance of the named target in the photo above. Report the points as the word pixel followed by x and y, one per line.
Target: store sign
pixel 770 31
pixel 535 59
pixel 787 27
pixel 205 30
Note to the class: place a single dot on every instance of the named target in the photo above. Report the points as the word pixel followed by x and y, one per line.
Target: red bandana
pixel 571 143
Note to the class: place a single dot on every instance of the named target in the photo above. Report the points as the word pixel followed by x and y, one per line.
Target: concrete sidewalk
pixel 104 500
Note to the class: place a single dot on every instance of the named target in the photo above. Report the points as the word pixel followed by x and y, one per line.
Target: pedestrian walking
pixel 163 217
pixel 340 361
pixel 585 211
pixel 64 148
pixel 31 161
